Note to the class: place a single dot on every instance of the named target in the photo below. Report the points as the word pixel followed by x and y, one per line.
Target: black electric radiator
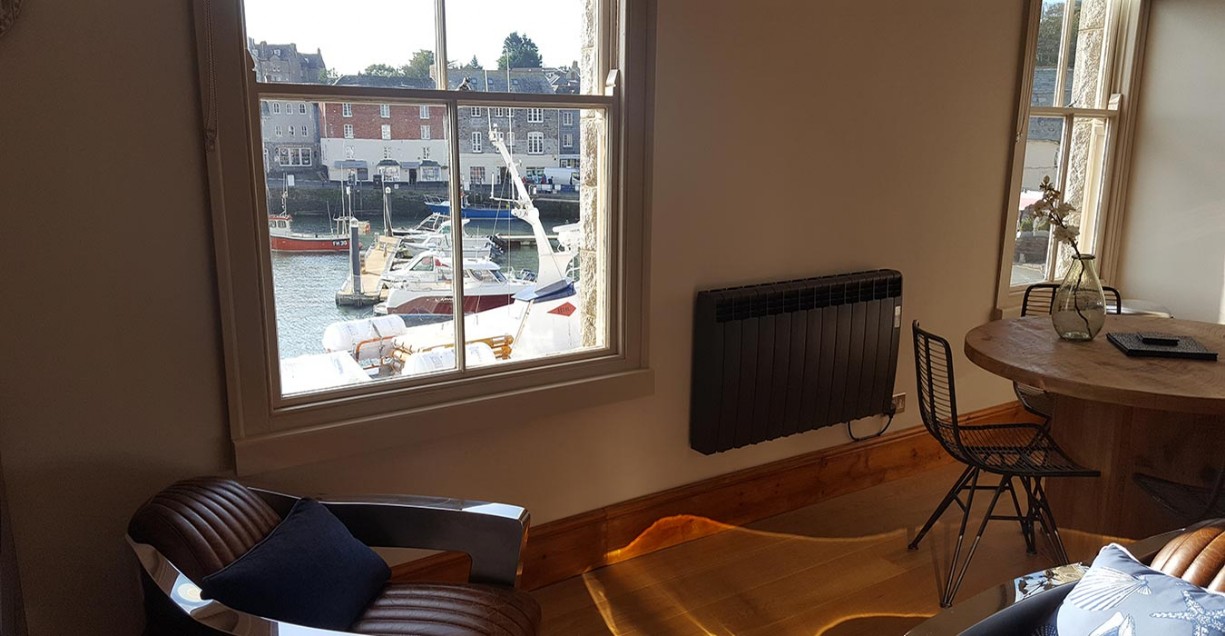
pixel 780 358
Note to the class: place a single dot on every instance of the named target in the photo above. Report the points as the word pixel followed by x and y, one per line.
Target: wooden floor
pixel 838 568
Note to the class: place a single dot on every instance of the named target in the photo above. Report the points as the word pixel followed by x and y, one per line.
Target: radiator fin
pixel 781 358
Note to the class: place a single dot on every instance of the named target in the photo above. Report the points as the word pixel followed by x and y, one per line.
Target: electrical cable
pixel 882 430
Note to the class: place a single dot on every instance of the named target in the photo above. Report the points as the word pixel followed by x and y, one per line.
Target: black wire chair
pixel 1038 299
pixel 1188 503
pixel 1019 453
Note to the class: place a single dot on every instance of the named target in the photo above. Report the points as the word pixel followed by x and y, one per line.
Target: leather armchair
pixel 198 526
pixel 1196 555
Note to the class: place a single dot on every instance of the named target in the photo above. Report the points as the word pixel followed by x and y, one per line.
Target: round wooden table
pixel 1121 415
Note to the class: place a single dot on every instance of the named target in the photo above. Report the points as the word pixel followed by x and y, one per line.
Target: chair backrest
pixel 933 361
pixel 1196 556
pixel 203 524
pixel 1040 297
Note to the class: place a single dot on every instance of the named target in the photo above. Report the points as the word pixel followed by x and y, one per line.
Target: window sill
pixel 285 449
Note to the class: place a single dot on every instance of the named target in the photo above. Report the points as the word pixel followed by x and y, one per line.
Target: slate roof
pixel 1045 128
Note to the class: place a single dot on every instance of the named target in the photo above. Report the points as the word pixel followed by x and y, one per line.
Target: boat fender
pixel 347 335
pixel 443 359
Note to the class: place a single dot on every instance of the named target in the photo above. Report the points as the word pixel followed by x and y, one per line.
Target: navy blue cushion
pixel 1119 595
pixel 309 570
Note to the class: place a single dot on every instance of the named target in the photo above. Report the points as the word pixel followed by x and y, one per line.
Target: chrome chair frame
pixel 493 534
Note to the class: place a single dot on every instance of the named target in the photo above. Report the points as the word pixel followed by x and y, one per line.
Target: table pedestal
pixel 1120 441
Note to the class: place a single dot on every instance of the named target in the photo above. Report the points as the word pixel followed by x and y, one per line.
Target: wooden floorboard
pixel 839 567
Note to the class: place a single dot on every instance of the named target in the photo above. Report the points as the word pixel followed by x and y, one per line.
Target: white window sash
pixel 259 410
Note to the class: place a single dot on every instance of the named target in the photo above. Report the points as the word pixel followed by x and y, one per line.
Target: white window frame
pixel 567 118
pixel 279 131
pixel 535 143
pixel 425 132
pixel 271 431
pixel 476 175
pixel 302 130
pixel 535 115
pixel 348 131
pixel 476 111
pixel 478 141
pixel 346 110
pixel 385 111
pixel 276 108
pixel 423 112
pixel 302 108
pixel 1119 83
pixel 567 140
pixel 385 131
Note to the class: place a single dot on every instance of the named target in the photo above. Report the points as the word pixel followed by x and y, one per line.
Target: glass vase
pixel 1079 308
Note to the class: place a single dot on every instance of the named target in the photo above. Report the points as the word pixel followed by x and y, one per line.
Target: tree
pixel 474 63
pixel 1050 35
pixel 419 64
pixel 519 51
pixel 381 70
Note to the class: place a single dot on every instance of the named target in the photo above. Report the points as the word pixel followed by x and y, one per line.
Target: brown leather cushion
pixel 203 524
pixel 1197 556
pixel 425 609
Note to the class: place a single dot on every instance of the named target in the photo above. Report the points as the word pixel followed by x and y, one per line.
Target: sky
pixel 356 33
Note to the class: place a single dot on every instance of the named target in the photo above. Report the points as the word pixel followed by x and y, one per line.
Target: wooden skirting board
pixel 568 547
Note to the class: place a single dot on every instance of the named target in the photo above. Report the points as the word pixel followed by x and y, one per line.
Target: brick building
pixel 407 143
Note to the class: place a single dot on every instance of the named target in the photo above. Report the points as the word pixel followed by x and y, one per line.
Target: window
pixel 476 111
pixel 279 131
pixel 386 152
pixel 499 112
pixel 385 131
pixel 303 386
pixel 302 130
pixel 294 156
pixel 302 108
pixel 478 142
pixel 535 143
pixel 567 140
pixel 1069 125
pixel 276 108
pixel 567 118
pixel 385 110
pixel 293 131
pixel 569 163
pixel 535 115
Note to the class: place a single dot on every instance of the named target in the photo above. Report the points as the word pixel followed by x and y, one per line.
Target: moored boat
pixel 283 239
pixel 425 285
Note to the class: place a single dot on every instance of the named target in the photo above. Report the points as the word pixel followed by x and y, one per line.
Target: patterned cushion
pixel 1119 596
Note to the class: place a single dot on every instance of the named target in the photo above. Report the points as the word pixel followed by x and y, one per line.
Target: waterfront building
pixel 289 129
pixel 400 144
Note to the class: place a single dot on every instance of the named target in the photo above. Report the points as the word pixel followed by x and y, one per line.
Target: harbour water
pixel 304 285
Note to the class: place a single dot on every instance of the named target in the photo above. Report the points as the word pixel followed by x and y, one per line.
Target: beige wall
pixel 1174 235
pixel 848 97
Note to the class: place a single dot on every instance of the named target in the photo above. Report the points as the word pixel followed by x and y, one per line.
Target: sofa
pixel 1027 605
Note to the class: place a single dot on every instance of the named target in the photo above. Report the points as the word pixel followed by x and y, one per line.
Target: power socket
pixel 899 403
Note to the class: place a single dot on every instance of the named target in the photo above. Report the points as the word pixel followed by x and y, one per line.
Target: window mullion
pixel 1065 154
pixel 457 234
pixel 1065 38
pixel 440 41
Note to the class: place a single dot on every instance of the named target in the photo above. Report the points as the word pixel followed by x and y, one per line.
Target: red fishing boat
pixel 284 239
